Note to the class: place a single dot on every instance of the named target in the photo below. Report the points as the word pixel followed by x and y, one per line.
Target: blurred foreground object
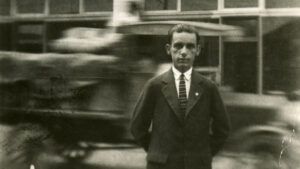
pixel 86 39
pixel 126 11
pixel 79 100
pixel 93 40
pixel 54 102
pixel 265 133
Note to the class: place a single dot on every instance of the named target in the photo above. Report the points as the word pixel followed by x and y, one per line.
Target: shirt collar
pixel 177 73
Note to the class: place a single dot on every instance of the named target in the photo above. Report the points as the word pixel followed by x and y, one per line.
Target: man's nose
pixel 183 51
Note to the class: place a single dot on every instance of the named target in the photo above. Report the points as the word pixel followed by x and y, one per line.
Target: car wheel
pixel 262 152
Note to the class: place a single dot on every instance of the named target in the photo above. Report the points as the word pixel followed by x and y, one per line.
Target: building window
pixel 155 5
pixel 152 47
pixel 30 6
pixel 98 5
pixel 196 5
pixel 282 3
pixel 209 56
pixel 240 66
pixel 281 54
pixel 29 37
pixel 249 24
pixel 240 3
pixel 240 56
pixel 5 34
pixel 64 6
pixel 4 7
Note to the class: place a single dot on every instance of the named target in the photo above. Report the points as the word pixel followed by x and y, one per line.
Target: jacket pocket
pixel 157 157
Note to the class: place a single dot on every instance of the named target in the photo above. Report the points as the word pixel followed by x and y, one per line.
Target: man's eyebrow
pixel 177 43
pixel 193 44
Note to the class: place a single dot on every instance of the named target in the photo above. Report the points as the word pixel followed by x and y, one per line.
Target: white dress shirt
pixel 187 78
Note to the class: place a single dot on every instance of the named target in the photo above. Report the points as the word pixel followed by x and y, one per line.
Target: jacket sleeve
pixel 220 126
pixel 142 117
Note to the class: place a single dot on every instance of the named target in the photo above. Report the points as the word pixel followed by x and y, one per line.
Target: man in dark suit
pixel 188 120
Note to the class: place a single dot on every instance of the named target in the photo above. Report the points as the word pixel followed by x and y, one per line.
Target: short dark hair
pixel 182 28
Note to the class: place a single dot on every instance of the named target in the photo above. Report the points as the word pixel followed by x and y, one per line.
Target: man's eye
pixel 190 46
pixel 178 45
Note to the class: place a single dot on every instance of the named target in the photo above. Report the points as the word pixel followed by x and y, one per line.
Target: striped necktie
pixel 182 95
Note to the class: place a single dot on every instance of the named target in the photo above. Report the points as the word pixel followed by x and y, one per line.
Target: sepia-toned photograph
pixel 149 84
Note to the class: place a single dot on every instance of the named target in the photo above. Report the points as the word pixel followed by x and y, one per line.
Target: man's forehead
pixel 184 37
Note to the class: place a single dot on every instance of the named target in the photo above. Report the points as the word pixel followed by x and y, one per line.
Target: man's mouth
pixel 182 60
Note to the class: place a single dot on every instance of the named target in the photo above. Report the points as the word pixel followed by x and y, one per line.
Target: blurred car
pixel 265 132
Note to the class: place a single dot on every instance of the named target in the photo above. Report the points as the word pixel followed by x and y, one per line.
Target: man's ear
pixel 168 49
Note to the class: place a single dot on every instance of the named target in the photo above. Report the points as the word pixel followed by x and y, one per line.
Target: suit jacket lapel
pixel 195 93
pixel 170 93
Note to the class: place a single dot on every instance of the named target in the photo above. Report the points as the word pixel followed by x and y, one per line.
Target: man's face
pixel 183 49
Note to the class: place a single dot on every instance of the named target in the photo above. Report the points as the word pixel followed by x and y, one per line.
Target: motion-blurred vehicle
pixel 64 106
pixel 265 131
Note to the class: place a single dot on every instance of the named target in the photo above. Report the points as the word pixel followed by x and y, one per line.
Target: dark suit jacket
pixel 174 142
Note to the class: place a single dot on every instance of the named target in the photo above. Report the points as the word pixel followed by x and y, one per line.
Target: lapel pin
pixel 196 93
